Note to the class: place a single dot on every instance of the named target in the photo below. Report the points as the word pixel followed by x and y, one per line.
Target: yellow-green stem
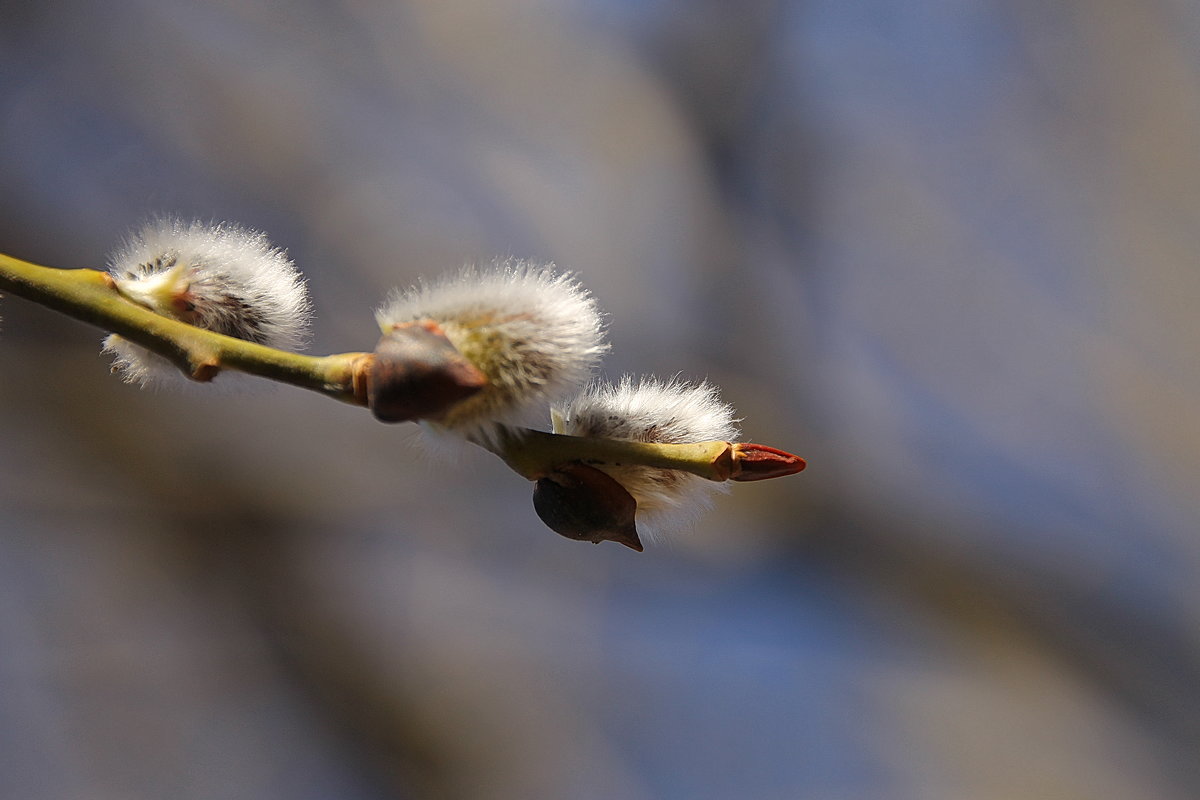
pixel 533 454
pixel 89 295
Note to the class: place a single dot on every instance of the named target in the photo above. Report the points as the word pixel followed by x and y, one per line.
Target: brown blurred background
pixel 946 251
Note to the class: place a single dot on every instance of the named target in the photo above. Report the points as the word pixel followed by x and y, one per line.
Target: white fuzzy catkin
pixel 220 277
pixel 536 334
pixel 653 410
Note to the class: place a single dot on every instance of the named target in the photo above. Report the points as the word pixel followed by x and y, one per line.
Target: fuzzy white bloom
pixel 535 334
pixel 223 278
pixel 652 410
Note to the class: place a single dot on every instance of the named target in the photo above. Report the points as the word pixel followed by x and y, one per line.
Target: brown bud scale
pixel 418 374
pixel 585 504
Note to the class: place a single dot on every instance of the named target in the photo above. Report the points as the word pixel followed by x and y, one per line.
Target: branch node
pixel 204 370
pixel 360 377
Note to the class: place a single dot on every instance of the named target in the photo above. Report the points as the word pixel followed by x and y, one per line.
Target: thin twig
pixel 91 296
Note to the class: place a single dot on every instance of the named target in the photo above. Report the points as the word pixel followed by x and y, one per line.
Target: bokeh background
pixel 946 251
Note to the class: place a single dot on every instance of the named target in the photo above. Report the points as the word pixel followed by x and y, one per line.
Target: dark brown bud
pixel 418 374
pixel 585 504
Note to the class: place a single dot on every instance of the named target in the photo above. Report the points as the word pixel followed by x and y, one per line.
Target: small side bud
pixel 418 374
pixel 587 505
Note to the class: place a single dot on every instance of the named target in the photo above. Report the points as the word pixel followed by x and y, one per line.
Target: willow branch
pixel 91 296
pixel 535 454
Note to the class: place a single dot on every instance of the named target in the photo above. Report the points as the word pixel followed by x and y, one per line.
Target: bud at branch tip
pixel 756 462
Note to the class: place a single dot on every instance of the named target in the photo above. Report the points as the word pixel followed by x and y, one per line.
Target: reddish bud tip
pixel 757 462
pixel 418 374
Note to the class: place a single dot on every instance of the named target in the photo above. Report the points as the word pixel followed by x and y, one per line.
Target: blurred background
pixel 945 251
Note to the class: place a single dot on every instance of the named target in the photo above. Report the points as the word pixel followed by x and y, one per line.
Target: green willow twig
pixel 535 454
pixel 528 453
pixel 91 296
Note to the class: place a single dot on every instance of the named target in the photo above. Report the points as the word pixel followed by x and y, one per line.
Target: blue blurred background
pixel 946 251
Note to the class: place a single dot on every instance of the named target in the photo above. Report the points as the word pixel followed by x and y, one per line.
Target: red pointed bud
pixel 756 462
